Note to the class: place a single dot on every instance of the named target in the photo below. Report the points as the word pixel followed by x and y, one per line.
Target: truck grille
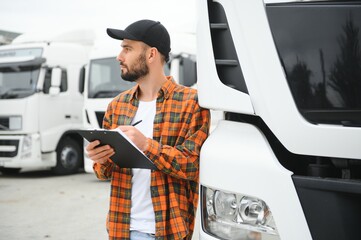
pixel 9 148
pixel 4 123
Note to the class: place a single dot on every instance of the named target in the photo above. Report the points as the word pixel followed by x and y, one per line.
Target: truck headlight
pixel 234 216
pixel 27 141
pixel 26 148
pixel 15 123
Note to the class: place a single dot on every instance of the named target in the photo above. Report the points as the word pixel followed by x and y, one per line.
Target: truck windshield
pixel 320 48
pixel 18 82
pixel 105 80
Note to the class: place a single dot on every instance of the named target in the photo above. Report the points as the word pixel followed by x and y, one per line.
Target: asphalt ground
pixel 38 205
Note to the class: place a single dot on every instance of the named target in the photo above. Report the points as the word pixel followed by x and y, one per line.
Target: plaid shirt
pixel 180 128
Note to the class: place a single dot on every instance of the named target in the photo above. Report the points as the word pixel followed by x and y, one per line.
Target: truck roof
pixel 80 36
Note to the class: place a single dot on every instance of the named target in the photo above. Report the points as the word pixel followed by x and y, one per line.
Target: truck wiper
pixel 105 94
pixel 14 92
pixel 8 95
pixel 4 127
pixel 345 117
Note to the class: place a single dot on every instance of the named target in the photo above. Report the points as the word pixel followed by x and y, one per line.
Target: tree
pixel 345 75
pixel 299 80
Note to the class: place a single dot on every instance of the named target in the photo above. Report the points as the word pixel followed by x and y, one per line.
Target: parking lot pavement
pixel 38 205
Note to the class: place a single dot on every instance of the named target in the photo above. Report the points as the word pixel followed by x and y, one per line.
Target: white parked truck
pixel 41 101
pixel 285 163
pixel 103 80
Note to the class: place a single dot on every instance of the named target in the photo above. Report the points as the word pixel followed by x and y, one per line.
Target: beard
pixel 138 70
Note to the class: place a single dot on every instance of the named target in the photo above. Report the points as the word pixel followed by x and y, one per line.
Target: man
pixel 152 204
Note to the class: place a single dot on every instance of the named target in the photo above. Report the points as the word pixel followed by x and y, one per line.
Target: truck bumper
pixel 24 151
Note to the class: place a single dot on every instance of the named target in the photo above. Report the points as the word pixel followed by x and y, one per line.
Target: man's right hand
pixel 99 154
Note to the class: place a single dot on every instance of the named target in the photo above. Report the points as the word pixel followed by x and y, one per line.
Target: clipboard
pixel 126 155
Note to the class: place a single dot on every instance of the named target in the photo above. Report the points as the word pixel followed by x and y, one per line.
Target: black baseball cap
pixel 151 32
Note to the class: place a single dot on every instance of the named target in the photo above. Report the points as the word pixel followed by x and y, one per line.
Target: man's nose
pixel 120 57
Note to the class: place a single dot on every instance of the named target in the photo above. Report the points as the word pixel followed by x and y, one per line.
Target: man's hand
pixel 135 136
pixel 99 154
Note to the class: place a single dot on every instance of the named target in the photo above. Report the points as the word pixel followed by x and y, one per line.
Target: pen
pixel 137 123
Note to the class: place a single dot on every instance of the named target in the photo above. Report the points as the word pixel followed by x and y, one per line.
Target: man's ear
pixel 153 53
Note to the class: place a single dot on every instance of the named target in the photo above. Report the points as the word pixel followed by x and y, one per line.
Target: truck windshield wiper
pixel 4 127
pixel 105 94
pixel 14 92
pixel 344 117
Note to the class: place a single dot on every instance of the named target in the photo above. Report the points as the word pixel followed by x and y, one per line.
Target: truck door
pixel 54 109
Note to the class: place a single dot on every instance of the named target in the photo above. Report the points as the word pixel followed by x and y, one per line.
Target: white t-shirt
pixel 142 216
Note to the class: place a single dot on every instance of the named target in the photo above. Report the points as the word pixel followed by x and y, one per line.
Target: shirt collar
pixel 165 90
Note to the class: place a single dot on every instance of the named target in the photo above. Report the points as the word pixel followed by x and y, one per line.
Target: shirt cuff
pixel 153 150
pixel 107 164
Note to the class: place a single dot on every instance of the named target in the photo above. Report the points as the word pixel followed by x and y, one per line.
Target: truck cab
pixel 287 75
pixel 41 102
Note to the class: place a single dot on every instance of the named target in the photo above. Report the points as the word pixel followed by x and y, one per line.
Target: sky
pixel 43 15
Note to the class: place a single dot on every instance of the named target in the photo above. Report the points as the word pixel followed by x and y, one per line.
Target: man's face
pixel 133 60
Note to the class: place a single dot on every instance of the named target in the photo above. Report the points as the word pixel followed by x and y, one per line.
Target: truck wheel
pixel 9 171
pixel 68 157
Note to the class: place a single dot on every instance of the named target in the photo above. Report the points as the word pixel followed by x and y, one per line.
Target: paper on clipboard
pixel 127 138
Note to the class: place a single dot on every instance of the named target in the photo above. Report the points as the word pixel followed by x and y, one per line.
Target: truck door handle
pixel 67 116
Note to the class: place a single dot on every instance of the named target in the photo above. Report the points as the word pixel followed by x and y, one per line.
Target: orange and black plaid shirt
pixel 180 128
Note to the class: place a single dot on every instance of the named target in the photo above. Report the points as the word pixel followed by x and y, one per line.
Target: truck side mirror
pixel 55 81
pixel 82 79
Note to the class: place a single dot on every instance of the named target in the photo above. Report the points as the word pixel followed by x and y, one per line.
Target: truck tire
pixel 68 157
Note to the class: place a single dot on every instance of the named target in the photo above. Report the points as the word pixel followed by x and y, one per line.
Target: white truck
pixel 103 80
pixel 41 101
pixel 285 163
